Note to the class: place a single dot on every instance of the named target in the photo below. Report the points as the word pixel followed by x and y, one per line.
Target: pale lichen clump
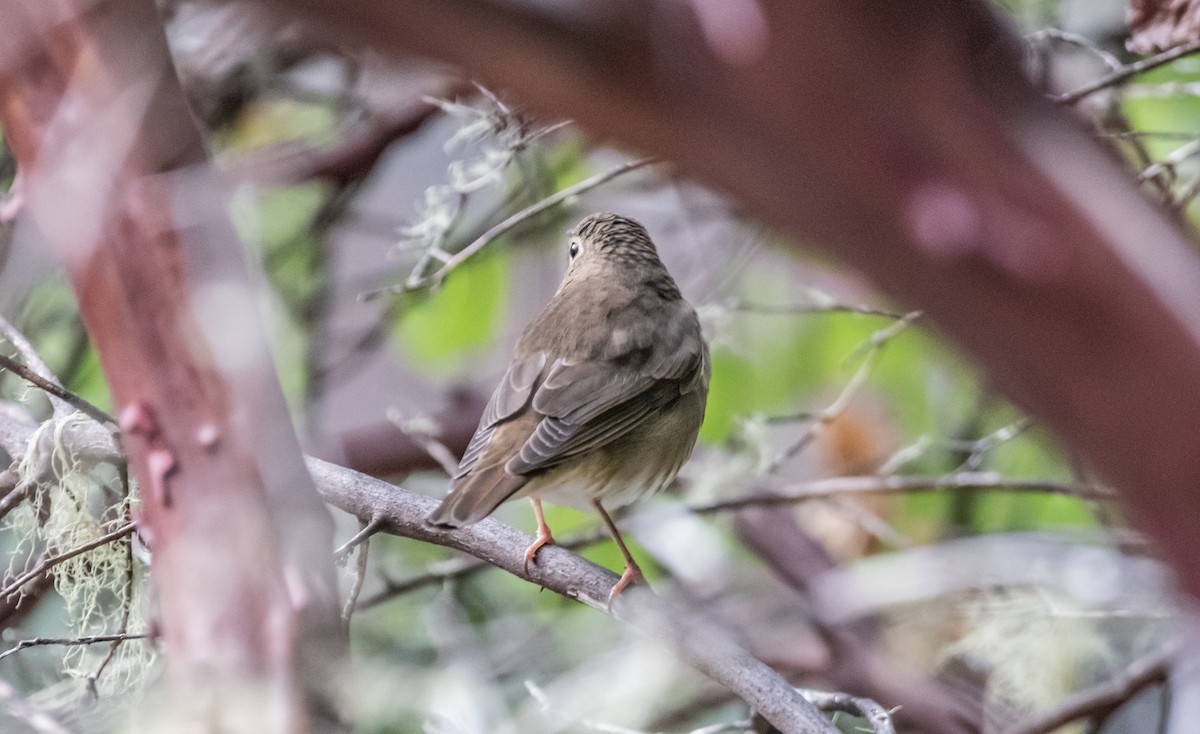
pixel 491 137
pixel 72 503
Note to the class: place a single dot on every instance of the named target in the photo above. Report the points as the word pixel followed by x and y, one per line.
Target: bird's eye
pixel 574 249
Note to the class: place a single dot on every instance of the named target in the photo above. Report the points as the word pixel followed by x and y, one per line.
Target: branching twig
pixel 821 420
pixel 737 304
pixel 1128 72
pixel 879 717
pixel 495 232
pixel 1102 699
pixel 55 389
pixel 1079 41
pixel 360 571
pixel 365 531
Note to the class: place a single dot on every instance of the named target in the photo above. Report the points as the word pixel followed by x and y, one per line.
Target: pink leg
pixel 543 533
pixel 633 574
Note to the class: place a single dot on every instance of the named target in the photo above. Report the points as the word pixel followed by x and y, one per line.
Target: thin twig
pixel 74 641
pixel 495 232
pixel 414 429
pixel 365 531
pixel 1079 41
pixel 360 573
pixel 801 308
pixel 26 350
pixel 93 680
pixel 1103 698
pixel 1171 161
pixel 54 389
pixel 961 482
pixel 1128 72
pixel 879 717
pixel 838 406
pixel 48 563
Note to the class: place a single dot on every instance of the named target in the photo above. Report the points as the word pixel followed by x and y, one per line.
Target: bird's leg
pixel 543 533
pixel 633 574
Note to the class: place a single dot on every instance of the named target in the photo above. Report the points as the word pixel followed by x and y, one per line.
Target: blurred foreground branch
pixel 957 187
pixel 117 181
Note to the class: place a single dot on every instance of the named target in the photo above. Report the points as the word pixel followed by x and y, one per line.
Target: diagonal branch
pixel 697 640
pixel 53 388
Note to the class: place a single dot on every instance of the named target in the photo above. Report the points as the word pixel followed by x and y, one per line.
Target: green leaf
pixel 441 330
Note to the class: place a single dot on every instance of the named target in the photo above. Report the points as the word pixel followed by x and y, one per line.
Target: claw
pixel 543 534
pixel 632 575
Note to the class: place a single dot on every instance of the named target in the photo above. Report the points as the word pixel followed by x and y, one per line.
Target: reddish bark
pixel 241 544
pixel 904 137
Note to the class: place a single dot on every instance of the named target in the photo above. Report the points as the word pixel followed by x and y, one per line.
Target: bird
pixel 603 400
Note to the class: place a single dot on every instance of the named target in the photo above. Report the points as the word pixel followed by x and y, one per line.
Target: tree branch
pixel 1126 73
pixel 58 391
pixel 903 484
pixel 697 640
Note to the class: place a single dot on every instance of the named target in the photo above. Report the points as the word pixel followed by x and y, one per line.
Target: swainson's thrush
pixel 604 396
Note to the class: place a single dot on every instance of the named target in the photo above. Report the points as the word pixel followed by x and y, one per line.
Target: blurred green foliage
pixel 439 330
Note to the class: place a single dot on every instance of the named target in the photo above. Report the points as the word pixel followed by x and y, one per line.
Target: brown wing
pixel 575 406
pixel 511 395
pixel 481 483
pixel 651 358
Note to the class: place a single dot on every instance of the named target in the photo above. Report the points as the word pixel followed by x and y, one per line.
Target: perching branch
pixel 697 640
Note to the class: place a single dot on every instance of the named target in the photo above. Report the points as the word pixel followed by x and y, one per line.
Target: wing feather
pixel 587 404
pixel 511 395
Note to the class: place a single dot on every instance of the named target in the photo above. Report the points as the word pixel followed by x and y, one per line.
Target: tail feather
pixel 475 496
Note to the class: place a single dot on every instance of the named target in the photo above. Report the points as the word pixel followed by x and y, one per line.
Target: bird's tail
pixel 475 496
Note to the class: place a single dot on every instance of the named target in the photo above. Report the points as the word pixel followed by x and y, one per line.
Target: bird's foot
pixel 632 575
pixel 543 538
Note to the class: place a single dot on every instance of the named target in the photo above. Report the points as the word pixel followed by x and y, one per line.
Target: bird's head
pixel 607 245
